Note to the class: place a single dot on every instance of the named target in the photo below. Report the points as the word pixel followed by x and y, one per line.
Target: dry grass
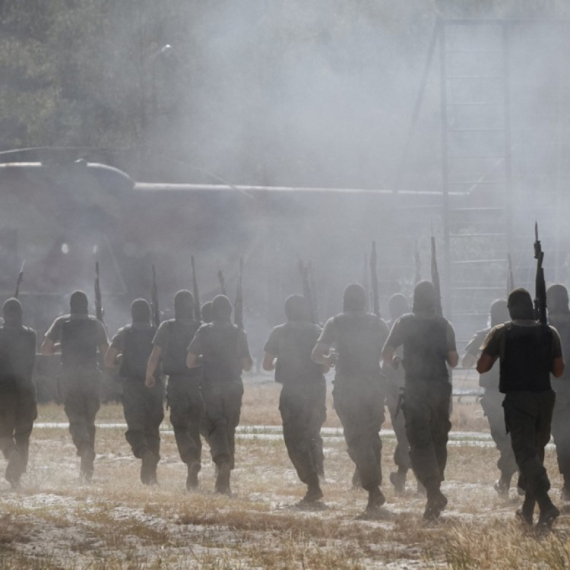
pixel 54 522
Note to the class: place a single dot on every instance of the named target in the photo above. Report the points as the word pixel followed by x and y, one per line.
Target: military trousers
pixel 18 411
pixel 186 405
pixel 80 390
pixel 222 401
pixel 561 434
pixel 402 451
pixel 492 404
pixel 144 412
pixel 303 412
pixel 528 417
pixel 359 404
pixel 426 412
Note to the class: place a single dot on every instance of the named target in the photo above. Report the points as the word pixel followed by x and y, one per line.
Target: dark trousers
pixel 303 411
pixel 143 409
pixel 186 415
pixel 426 410
pixel 81 402
pixel 222 401
pixel 18 412
pixel 402 452
pixel 492 404
pixel 528 416
pixel 360 407
pixel 561 434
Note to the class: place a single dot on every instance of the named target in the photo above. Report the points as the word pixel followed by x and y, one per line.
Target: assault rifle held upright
pixel 510 277
pixel 19 281
pixel 222 281
pixel 374 281
pixel 435 277
pixel 540 298
pixel 195 292
pixel 238 307
pixel 154 300
pixel 98 302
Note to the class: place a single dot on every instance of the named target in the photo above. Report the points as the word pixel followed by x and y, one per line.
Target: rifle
pixel 197 313
pixel 307 292
pixel 366 278
pixel 510 278
pixel 314 299
pixel 374 280
pixel 435 277
pixel 19 281
pixel 540 298
pixel 222 282
pixel 238 307
pixel 418 275
pixel 98 303
pixel 154 300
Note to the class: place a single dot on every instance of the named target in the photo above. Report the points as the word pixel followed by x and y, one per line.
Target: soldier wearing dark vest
pixel 222 349
pixel 303 398
pixel 358 391
pixel 17 392
pixel 529 352
pixel 79 336
pixel 142 406
pixel 429 347
pixel 559 318
pixel 183 393
pixel 492 400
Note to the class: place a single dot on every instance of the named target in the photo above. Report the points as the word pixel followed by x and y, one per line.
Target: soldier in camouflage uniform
pixel 18 408
pixel 492 400
pixel 79 335
pixel 222 349
pixel 142 406
pixel 302 402
pixel 358 391
pixel 429 347
pixel 184 396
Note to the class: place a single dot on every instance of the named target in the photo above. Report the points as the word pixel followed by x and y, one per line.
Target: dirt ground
pixel 55 522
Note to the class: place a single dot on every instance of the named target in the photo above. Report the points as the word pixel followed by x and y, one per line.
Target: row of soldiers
pixel 373 362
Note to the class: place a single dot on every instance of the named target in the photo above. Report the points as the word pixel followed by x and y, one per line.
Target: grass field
pixel 55 522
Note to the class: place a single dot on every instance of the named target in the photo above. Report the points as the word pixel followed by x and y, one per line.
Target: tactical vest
pixel 358 342
pixel 220 359
pixel 180 335
pixel 79 343
pixel 17 354
pixel 295 345
pixel 425 349
pixel 527 358
pixel 136 350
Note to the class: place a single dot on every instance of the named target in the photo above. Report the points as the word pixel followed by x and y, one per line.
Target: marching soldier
pixel 183 393
pixel 142 406
pixel 18 408
pixel 79 335
pixel 302 403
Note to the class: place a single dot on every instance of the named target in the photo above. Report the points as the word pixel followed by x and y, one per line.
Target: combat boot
pixel 526 513
pixel 87 467
pixel 314 492
pixel 502 487
pixel 192 477
pixel 398 479
pixel 548 512
pixel 223 479
pixel 15 468
pixel 375 500
pixel 436 503
pixel 148 468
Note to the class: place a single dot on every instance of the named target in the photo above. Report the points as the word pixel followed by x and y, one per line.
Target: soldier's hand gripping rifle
pixel 195 292
pixel 238 307
pixel 435 277
pixel 540 298
pixel 98 302
pixel 307 292
pixel 374 281
pixel 154 300
pixel 222 282
pixel 19 281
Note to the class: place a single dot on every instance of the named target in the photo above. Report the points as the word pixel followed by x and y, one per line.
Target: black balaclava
pixel 78 304
pixel 398 305
pixel 12 311
pixel 520 305
pixel 499 312
pixel 354 298
pixel 425 298
pixel 221 308
pixel 557 299
pixel 296 308
pixel 183 305
pixel 140 311
pixel 207 312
